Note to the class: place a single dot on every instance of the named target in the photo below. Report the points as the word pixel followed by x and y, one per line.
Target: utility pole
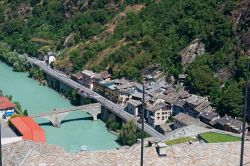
pixel 1 162
pixel 244 118
pixel 142 120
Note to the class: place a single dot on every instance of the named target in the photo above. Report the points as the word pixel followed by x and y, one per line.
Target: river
pixel 78 127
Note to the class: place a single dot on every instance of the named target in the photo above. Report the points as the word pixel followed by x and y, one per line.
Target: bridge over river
pixel 113 107
pixel 57 115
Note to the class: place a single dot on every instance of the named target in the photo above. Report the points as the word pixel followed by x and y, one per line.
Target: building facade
pixel 157 114
pixel 7 108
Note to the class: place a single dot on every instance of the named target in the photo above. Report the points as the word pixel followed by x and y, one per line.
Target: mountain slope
pixel 126 36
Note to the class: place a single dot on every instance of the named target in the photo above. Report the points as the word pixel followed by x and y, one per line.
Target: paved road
pixel 113 107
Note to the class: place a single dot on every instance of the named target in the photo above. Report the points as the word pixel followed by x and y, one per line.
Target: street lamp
pixel 142 120
pixel 244 119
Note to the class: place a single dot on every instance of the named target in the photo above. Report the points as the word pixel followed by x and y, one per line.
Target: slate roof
pixel 89 73
pixel 195 100
pixel 210 115
pixel 180 103
pixel 135 103
pixel 184 94
pixel 170 98
pixel 202 106
pixel 186 119
pixel 156 107
pixel 230 121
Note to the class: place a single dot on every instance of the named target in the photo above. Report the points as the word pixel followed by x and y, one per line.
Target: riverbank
pixel 77 128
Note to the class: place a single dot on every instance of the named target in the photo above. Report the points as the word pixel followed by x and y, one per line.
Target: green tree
pixel 202 80
pixel 128 133
pixel 232 101
pixel 112 123
pixel 9 97
pixel 18 105
pixel 73 97
pixel 25 112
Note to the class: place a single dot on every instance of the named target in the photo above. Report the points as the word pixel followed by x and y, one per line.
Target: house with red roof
pixel 7 108
pixel 27 128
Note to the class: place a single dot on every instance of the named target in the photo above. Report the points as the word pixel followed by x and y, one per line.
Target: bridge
pixel 57 115
pixel 113 107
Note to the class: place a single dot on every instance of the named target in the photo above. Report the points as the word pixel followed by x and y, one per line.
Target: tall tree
pixel 232 101
pixel 128 134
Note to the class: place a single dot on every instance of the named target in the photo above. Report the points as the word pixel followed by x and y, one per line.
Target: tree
pixel 9 97
pixel 202 81
pixel 232 101
pixel 18 105
pixel 25 112
pixel 112 123
pixel 128 134
pixel 73 97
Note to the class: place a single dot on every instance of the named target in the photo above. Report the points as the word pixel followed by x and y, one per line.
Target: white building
pixel 52 58
pixel 7 108
pixel 158 114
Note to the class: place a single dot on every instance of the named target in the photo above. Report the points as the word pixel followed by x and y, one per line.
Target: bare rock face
pixel 70 39
pixel 71 6
pixel 246 43
pixel 194 49
pixel 224 74
pixel 245 18
pixel 245 28
pixel 24 11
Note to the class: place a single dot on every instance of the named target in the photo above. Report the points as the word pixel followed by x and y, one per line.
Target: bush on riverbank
pixel 37 74
pixel 12 58
pixel 112 123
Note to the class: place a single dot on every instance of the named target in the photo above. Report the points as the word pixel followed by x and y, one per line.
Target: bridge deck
pixel 88 107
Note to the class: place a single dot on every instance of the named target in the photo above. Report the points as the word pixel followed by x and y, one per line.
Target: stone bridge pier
pixel 57 117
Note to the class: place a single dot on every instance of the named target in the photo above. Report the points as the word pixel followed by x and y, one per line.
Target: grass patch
pixel 212 137
pixel 180 140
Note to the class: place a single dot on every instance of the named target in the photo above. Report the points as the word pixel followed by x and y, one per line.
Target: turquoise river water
pixel 78 129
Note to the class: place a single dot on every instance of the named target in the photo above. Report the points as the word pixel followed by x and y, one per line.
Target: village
pixel 168 105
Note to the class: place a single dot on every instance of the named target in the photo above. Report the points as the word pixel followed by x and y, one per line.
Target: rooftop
pixel 5 103
pixel 210 115
pixel 156 107
pixel 25 153
pixel 230 121
pixel 195 100
pixel 88 73
pixel 77 75
pixel 203 106
pixel 134 102
pixel 186 119
pixel 29 129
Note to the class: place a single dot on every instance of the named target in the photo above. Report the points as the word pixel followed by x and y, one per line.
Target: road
pixel 113 107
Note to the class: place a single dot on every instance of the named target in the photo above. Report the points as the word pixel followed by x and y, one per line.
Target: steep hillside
pixel 207 39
